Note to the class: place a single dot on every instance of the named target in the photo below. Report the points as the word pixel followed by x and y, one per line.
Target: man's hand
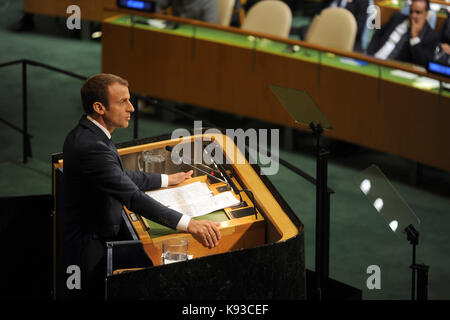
pixel 418 17
pixel 446 48
pixel 179 177
pixel 205 231
pixel 416 27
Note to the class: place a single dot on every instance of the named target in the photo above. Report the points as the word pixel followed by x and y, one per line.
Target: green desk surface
pixel 280 48
pixel 157 230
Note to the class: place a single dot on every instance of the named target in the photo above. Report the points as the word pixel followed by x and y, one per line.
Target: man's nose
pixel 130 107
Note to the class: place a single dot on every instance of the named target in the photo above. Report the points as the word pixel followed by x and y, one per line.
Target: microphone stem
pixel 194 167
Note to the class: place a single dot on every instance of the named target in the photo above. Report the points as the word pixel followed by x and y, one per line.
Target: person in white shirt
pixel 96 186
pixel 406 38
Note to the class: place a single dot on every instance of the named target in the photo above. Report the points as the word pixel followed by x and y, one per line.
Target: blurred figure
pixel 205 10
pixel 26 23
pixel 406 38
pixel 442 50
pixel 294 5
pixel 445 35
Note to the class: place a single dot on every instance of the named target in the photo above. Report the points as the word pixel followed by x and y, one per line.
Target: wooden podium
pixel 260 256
pixel 237 233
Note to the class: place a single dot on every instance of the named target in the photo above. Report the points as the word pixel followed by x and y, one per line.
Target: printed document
pixel 194 199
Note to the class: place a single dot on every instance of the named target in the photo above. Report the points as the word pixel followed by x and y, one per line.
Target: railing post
pixel 26 144
pixel 26 137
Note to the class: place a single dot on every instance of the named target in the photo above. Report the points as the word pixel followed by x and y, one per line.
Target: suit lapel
pixel 102 136
pixel 114 149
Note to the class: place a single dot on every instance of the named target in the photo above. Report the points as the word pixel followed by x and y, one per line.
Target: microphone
pixel 231 183
pixel 225 175
pixel 169 148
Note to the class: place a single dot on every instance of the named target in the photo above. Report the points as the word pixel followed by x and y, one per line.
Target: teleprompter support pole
pixel 26 136
pixel 413 237
pixel 422 281
pixel 322 263
pixel 421 269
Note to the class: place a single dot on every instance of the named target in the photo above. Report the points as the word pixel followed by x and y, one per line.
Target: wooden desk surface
pixel 237 233
pixel 278 233
pixel 271 224
pixel 397 110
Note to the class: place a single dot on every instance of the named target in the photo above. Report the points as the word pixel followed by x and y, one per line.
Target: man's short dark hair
pixel 426 1
pixel 95 89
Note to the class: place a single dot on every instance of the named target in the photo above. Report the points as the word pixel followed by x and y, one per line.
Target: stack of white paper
pixel 194 199
pixel 426 83
pixel 404 74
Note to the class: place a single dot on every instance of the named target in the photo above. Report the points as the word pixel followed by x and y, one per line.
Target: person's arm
pixel 101 167
pixel 206 232
pixel 377 40
pixel 145 180
pixel 422 46
pixel 445 47
pixel 176 178
pixel 150 181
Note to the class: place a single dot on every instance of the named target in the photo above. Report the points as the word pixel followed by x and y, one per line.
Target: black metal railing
pixel 26 136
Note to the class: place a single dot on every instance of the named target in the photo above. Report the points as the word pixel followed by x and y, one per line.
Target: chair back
pixel 334 28
pixel 270 16
pixel 224 11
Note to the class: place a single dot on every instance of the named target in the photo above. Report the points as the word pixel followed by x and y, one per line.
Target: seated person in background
pixel 406 38
pixel 205 10
pixel 359 10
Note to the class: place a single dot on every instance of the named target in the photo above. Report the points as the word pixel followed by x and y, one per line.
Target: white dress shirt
pixel 394 38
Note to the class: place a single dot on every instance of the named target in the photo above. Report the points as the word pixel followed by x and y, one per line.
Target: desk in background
pixel 383 105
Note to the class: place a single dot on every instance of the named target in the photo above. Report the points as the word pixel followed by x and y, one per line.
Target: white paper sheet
pixel 194 199
pixel 404 74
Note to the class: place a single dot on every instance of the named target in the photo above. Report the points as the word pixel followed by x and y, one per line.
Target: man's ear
pixel 99 108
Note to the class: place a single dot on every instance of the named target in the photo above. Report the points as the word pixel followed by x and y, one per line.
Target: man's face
pixel 120 108
pixel 418 12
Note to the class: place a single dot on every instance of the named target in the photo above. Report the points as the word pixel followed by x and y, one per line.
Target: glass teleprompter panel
pixel 386 200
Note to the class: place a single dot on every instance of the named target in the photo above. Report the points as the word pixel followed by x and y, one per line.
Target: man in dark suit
pixel 445 34
pixel 96 186
pixel 406 38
